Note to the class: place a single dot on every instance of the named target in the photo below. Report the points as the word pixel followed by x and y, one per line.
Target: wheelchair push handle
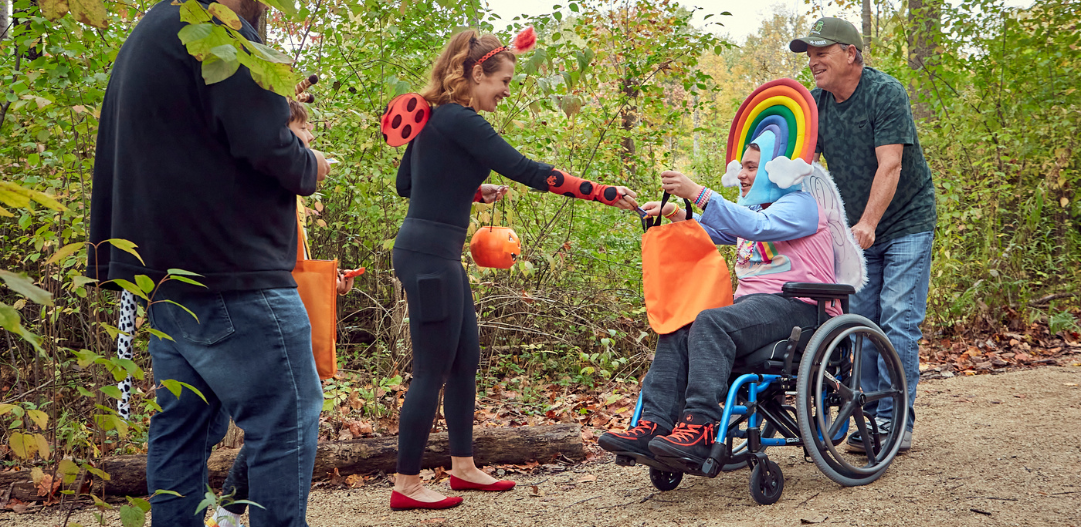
pixel 647 222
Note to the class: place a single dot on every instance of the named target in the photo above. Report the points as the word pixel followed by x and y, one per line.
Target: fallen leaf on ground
pixel 587 478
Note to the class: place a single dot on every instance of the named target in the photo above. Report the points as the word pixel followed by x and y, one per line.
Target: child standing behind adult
pixel 236 483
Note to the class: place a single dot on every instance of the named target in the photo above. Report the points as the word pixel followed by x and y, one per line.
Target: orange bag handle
pixel 303 250
pixel 648 222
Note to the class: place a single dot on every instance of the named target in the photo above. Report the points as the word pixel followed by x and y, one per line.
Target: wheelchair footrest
pixel 630 459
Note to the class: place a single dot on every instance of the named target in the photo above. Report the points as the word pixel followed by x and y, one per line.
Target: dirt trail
pixel 988 450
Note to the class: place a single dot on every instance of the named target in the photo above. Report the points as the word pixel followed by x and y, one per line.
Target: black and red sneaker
pixel 692 439
pixel 633 441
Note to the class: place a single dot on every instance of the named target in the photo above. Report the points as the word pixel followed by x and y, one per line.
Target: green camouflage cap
pixel 827 31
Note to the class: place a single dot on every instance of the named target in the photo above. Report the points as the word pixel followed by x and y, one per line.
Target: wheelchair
pixel 828 397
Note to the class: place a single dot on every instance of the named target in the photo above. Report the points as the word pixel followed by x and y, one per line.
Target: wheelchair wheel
pixel 664 480
pixel 830 393
pixel 767 483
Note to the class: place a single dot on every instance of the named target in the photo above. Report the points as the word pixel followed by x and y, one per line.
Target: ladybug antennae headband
pixel 304 85
pixel 522 43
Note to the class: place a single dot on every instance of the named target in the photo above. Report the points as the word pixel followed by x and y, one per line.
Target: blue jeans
pixel 250 355
pixel 895 298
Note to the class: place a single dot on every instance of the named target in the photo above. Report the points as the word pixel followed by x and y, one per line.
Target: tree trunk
pixel 32 52
pixel 127 474
pixel 629 116
pixel 5 18
pixel 867 26
pixel 924 25
pixel 696 121
pixel 234 437
pixel 262 27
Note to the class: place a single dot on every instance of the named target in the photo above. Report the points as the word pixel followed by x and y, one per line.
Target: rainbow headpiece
pixel 781 117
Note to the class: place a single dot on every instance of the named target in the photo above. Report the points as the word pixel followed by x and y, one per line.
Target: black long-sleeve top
pixel 453 154
pixel 200 177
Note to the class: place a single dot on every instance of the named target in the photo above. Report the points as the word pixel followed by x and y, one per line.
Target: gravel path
pixel 988 450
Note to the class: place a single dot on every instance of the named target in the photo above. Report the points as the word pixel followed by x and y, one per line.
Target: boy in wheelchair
pixel 782 235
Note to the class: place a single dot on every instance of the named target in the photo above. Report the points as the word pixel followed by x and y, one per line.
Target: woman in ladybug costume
pixel 451 150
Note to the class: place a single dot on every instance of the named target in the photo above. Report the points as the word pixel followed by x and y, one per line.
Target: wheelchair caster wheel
pixel 665 480
pixel 767 483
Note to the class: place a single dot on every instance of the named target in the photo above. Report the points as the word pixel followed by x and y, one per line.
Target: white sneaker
pixel 223 518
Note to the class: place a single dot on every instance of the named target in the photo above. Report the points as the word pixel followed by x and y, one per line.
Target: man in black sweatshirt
pixel 204 178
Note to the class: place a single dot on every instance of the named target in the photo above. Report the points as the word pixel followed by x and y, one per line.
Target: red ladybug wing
pixel 404 118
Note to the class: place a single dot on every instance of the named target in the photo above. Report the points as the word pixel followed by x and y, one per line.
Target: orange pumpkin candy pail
pixel 496 247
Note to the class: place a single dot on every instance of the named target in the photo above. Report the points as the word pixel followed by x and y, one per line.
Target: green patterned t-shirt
pixel 876 114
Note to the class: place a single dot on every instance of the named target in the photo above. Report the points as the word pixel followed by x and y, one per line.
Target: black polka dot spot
pixel 396 122
pixel 411 105
pixel 419 117
pixel 406 131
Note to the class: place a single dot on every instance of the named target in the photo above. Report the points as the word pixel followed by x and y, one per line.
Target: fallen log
pixel 520 445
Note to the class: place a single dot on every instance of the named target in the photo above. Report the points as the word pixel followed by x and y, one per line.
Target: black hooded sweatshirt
pixel 199 177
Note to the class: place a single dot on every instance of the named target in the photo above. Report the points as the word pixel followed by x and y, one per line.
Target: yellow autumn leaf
pixel 53 9
pixel 89 12
pixel 39 418
pixel 22 445
pixel 43 446
pixel 226 15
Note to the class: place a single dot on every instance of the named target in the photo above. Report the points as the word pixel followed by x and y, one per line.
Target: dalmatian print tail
pixel 124 351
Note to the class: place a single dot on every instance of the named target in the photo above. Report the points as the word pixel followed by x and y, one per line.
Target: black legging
pixel 236 483
pixel 446 348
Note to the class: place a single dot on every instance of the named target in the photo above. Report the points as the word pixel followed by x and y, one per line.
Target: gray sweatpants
pixel 690 371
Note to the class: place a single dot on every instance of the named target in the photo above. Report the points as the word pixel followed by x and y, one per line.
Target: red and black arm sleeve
pixel 475 135
pixel 565 184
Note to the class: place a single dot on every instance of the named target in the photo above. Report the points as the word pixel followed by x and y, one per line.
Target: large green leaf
pixel 131 288
pixel 267 53
pixel 285 6
pixel 145 283
pixel 193 12
pixel 64 252
pixel 23 285
pixel 68 470
pixel 19 196
pixel 126 246
pixel 204 37
pixel 132 516
pixel 272 76
pixel 217 70
pixel 194 32
pixel 175 386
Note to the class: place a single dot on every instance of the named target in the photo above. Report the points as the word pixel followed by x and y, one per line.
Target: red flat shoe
pixel 401 502
pixel 499 486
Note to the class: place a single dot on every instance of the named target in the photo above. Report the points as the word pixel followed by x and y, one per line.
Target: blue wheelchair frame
pixel 757 399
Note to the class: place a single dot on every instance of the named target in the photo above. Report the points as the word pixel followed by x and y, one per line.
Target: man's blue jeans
pixel 250 355
pixel 895 298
